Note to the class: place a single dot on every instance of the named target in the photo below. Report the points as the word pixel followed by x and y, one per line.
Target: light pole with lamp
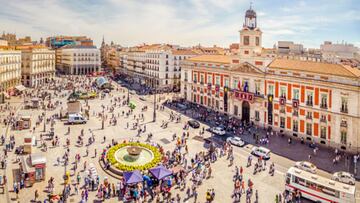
pixel 154 113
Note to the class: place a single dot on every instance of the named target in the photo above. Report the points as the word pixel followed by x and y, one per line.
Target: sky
pixel 184 22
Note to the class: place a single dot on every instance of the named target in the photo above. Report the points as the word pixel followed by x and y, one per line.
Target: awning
pixel 37 158
pixel 160 172
pixel 20 88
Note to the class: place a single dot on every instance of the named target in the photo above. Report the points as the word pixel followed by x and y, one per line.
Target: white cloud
pixel 130 22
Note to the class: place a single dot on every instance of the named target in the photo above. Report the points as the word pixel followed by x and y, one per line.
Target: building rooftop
pixel 70 46
pixel 225 59
pixel 315 67
pixel 183 52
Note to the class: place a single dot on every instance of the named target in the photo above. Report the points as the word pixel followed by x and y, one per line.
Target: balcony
pixel 195 81
pixel 343 110
pixel 185 79
pixel 309 116
pixel 282 111
pixel 323 119
pixel 343 124
pixel 201 82
pixel 323 106
pixel 295 113
pixel 309 103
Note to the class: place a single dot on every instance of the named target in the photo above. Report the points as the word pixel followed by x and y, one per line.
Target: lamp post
pixel 44 115
pixel 154 113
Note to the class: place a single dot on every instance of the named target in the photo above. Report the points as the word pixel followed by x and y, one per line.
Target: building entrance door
pixel 245 111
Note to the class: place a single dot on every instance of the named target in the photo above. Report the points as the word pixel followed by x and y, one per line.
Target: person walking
pixel 36 195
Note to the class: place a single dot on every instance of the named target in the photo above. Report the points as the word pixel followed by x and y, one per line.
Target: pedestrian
pixel 36 196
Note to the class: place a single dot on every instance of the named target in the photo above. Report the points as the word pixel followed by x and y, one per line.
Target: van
pixel 76 119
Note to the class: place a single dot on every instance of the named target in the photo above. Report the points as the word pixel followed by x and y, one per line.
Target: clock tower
pixel 250 37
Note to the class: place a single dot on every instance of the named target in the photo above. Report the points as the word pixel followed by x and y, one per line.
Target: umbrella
pixel 160 172
pixel 132 177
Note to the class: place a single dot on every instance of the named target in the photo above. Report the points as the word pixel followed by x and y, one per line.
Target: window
pixel 195 78
pixel 257 41
pixel 296 94
pixel 323 132
pixel 201 100
pixel 283 92
pixel 295 125
pixel 217 80
pixel 309 97
pixel 257 88
pixel 235 83
pixel 186 76
pixel 308 128
pixel 257 116
pixel 271 89
pixel 309 115
pixel 226 82
pixel 246 40
pixel 202 79
pixel 282 122
pixel 343 137
pixel 344 105
pixel 323 103
pixel 209 79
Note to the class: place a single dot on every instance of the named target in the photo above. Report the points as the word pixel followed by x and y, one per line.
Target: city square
pixel 179 101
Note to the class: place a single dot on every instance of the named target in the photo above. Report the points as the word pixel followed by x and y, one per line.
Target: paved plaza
pixel 221 179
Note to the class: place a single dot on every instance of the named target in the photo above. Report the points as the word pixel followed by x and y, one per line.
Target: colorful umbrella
pixel 160 172
pixel 132 177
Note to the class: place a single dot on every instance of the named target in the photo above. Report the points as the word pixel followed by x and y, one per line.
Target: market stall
pixel 22 123
pixel 32 168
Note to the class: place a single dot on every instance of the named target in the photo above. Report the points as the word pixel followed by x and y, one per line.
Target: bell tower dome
pixel 250 37
pixel 250 19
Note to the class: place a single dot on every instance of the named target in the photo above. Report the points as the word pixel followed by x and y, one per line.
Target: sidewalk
pixel 295 151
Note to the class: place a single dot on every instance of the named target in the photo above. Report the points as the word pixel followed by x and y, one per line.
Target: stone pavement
pixel 222 174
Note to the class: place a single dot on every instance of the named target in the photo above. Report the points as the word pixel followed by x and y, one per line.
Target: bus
pixel 318 188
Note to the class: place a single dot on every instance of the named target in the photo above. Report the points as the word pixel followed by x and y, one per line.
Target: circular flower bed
pixel 154 162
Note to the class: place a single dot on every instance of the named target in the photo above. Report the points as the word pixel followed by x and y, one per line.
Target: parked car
pixel 344 177
pixel 194 123
pixel 217 130
pixel 306 166
pixel 237 141
pixel 261 151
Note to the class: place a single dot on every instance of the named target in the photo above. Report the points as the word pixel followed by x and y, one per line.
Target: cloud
pixel 188 22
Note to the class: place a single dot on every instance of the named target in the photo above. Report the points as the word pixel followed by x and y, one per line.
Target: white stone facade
pixel 37 67
pixel 10 69
pixel 79 60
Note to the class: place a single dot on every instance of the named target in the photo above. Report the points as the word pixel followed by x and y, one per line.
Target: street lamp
pixel 154 113
pixel 44 115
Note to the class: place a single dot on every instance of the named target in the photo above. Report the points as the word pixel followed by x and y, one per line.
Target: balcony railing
pixel 343 124
pixel 343 110
pixel 323 106
pixel 323 119
pixel 308 116
pixel 201 82
pixel 282 111
pixel 195 81
pixel 309 103
pixel 295 113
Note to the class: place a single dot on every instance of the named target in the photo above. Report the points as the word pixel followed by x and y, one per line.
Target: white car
pixel 218 131
pixel 236 141
pixel 306 166
pixel 344 177
pixel 261 151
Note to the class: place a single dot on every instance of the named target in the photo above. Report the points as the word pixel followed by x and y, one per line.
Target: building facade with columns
pixel 37 66
pixel 316 101
pixel 79 60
